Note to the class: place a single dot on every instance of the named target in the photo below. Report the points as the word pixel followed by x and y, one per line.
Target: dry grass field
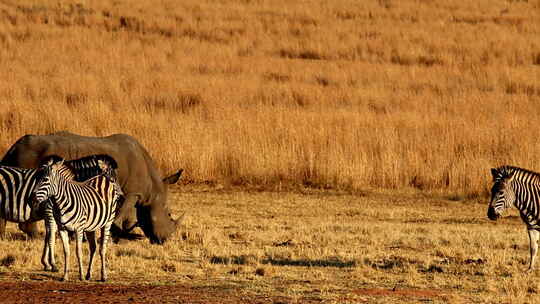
pixel 334 151
pixel 314 247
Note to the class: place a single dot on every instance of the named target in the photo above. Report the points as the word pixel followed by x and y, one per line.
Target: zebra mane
pixel 93 165
pixel 49 160
pixel 524 175
pixel 86 167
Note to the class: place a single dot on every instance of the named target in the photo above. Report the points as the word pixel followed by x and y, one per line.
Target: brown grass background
pixel 338 94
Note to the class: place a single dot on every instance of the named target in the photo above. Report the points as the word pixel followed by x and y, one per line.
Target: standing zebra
pixel 520 188
pixel 79 207
pixel 17 185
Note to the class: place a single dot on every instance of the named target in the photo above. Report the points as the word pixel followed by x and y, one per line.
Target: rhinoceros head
pixel 155 219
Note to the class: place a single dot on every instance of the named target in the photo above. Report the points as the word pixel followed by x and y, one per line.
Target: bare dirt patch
pixel 58 292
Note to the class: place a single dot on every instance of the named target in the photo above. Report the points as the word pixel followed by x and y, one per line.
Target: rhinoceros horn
pixel 179 220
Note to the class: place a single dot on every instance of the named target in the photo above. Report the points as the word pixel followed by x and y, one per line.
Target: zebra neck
pixel 527 199
pixel 60 193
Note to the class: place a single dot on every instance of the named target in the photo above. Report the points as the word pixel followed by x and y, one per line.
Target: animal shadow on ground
pixel 252 260
pixel 47 276
pixel 127 237
pixel 21 236
pixel 118 236
pixel 310 263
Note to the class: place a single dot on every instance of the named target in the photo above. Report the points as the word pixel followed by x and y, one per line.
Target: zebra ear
pixel 495 173
pixel 103 165
pixel 49 160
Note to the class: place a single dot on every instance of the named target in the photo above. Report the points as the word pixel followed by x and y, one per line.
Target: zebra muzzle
pixel 492 215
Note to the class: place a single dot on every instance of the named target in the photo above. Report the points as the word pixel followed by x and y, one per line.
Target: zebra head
pixel 502 193
pixel 48 182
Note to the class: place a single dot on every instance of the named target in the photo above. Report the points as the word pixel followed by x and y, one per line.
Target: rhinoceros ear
pixel 173 178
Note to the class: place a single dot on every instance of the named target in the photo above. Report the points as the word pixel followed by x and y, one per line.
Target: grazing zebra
pixel 79 207
pixel 520 188
pixel 17 185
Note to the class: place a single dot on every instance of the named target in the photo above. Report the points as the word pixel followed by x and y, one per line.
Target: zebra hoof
pixel 54 269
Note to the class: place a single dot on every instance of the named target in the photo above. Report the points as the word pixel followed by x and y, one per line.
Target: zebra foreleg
pixel 103 251
pixel 52 243
pixel 47 258
pixel 79 236
pixel 91 237
pixel 65 241
pixel 533 245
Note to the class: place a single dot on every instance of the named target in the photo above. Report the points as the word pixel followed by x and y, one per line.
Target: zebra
pixel 17 185
pixel 520 188
pixel 79 207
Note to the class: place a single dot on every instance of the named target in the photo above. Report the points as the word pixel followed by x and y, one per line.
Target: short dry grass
pixel 332 247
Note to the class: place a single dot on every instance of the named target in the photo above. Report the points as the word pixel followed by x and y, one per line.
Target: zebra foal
pixel 79 207
pixel 513 186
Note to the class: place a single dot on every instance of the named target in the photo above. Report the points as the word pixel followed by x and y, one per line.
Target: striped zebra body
pixel 519 188
pixel 87 206
pixel 16 186
pixel 80 207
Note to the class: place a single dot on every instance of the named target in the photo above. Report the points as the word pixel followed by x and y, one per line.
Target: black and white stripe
pixel 520 188
pixel 17 185
pixel 79 207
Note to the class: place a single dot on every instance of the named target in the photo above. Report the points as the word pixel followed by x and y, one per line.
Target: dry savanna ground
pixel 368 126
pixel 311 247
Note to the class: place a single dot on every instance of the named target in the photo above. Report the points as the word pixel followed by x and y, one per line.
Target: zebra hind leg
pixel 2 228
pixel 79 237
pixel 91 237
pixel 65 241
pixel 533 246
pixel 103 251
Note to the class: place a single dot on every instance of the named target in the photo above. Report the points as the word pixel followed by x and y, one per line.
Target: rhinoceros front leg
pixel 126 219
pixel 30 228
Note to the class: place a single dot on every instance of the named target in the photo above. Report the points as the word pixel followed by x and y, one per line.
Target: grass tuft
pixel 8 260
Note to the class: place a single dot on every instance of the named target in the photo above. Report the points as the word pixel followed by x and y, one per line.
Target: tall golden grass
pixel 340 94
